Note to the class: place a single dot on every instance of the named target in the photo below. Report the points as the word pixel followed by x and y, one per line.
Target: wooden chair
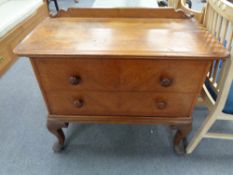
pixel 217 94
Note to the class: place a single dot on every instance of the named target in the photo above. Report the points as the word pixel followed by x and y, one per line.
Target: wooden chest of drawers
pixel 120 87
pixel 120 70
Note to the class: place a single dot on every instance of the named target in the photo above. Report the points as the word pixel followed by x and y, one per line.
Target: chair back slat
pixel 206 15
pixel 206 20
pixel 226 40
pixel 220 75
pixel 220 25
pixel 229 41
pixel 216 72
pixel 224 30
pixel 209 75
pixel 215 18
pixel 211 19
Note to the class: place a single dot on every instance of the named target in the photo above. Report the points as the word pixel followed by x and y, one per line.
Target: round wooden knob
pixel 165 81
pixel 75 80
pixel 161 104
pixel 78 103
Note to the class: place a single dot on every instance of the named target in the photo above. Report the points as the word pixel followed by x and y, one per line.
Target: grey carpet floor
pixel 25 147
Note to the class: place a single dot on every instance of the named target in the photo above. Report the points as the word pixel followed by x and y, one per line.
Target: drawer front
pixel 121 75
pixel 77 74
pixel 120 103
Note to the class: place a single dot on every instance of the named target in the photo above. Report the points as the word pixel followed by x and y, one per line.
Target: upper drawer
pixel 120 75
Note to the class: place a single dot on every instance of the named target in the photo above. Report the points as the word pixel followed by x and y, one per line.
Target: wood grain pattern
pixel 128 37
pixel 123 13
pixel 120 74
pixel 109 119
pixel 120 103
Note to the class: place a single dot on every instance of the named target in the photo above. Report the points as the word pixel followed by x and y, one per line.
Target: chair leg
pixel 209 121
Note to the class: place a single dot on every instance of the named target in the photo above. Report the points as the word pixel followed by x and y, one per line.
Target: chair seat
pixel 12 12
pixel 228 108
pixel 125 3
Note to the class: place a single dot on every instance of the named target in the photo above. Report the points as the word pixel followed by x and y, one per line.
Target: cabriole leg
pixel 180 138
pixel 55 127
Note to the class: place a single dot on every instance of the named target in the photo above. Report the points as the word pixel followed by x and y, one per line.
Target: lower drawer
pixel 120 103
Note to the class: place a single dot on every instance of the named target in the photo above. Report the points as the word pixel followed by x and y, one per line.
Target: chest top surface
pixel 128 37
